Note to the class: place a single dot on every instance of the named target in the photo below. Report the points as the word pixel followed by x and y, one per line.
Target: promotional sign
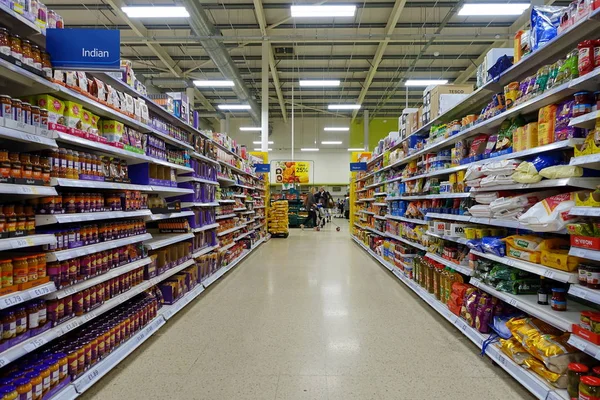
pixel 84 49
pixel 292 172
pixel 358 166
pixel 262 168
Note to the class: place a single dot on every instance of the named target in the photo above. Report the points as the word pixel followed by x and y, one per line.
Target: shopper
pixel 347 206
pixel 310 204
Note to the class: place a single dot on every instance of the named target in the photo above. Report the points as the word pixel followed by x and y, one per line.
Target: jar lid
pixel 590 380
pixel 580 93
pixel 577 367
pixel 22 381
pixel 31 375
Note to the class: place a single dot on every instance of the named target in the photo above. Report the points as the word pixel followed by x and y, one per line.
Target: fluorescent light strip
pixel 309 149
pixel 319 83
pixel 343 107
pixel 425 82
pixel 215 83
pixel 356 149
pixel 322 11
pixel 493 9
pixel 156 12
pixel 261 142
pixel 233 106
pixel 250 128
pixel 336 129
pixel 332 142
pixel 259 149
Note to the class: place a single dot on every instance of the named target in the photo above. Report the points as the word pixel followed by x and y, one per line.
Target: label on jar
pixel 21 324
pixel 34 320
pixel 9 330
pixel 46 382
pixel 558 305
pixel 37 390
pixel 26 396
pixel 42 315
pixel 37 65
pixel 583 396
pixel 54 377
pixel 28 61
pixel 5 50
pixel 17 55
pixel 593 278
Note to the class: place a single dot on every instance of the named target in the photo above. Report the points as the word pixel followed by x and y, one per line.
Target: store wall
pixel 329 167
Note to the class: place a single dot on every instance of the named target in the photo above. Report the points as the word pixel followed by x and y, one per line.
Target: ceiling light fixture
pixel 234 106
pixel 336 129
pixel 493 9
pixel 155 12
pixel 318 83
pixel 322 11
pixel 309 149
pixel 259 149
pixel 215 83
pixel 356 149
pixel 425 82
pixel 343 107
pixel 332 142
pixel 261 142
pixel 250 128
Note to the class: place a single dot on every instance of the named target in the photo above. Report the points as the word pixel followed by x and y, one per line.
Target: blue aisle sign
pixel 84 49
pixel 358 166
pixel 262 168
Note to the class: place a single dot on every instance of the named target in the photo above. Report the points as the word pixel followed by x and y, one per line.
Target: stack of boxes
pixel 439 99
pixel 488 62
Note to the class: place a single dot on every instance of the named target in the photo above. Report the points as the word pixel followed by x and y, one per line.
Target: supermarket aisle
pixel 308 317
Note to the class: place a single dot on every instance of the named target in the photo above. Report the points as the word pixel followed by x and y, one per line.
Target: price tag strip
pixel 22 296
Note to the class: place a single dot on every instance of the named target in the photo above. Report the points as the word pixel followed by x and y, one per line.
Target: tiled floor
pixel 308 317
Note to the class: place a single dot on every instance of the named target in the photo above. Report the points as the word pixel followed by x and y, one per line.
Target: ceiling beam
pixel 260 17
pixel 164 57
pixel 389 28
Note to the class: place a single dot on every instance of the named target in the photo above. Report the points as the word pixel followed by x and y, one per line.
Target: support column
pixel 264 137
pixel 366 130
pixel 227 117
pixel 223 127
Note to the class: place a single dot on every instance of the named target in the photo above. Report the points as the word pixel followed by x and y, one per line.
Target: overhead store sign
pixel 262 168
pixel 292 171
pixel 84 49
pixel 358 166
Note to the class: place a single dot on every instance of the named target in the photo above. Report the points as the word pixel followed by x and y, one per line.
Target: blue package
pixel 474 244
pixel 548 160
pixel 544 24
pixel 493 245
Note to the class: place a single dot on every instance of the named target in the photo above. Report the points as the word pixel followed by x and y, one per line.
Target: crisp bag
pixel 550 214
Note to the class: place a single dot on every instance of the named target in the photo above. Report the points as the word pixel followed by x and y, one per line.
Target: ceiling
pixel 385 42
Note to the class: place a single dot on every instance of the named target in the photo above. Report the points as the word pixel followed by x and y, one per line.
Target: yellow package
pixel 73 113
pixel 554 243
pixel 546 120
pixel 530 136
pixel 556 380
pixel 553 351
pixel 518 140
pixel 560 259
pixel 513 349
pixel 529 256
pixel 524 242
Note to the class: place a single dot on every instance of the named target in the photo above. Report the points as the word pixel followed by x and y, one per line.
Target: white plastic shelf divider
pixel 404 219
pixel 77 287
pixel 162 240
pixel 49 219
pixel 562 320
pixel 541 270
pixel 460 268
pixel 226 201
pixel 94 248
pixel 26 241
pixel 159 217
pixel 193 179
pixel 231 230
pixel 204 158
pixel 379 217
pixel 460 240
pixel 171 190
pixel 584 292
pixel 192 204
pixel 12 299
pixel 205 228
pixel 528 379
pixel 380 204
pixel 82 183
pixel 27 190
pixel 409 242
pixel 205 250
pixel 585 253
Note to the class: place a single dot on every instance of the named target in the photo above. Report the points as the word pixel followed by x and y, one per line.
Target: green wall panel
pixel 378 129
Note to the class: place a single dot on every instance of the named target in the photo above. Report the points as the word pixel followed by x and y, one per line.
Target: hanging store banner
pixel 262 168
pixel 358 166
pixel 292 172
pixel 84 49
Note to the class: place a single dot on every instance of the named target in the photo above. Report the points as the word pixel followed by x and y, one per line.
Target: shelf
pixel 205 250
pixel 366 212
pixel 30 141
pixel 82 183
pixel 227 246
pixel 27 190
pixel 585 346
pixel 168 311
pixel 94 248
pixel 225 216
pixel 547 272
pixel 454 217
pixel 193 179
pixel 158 217
pixel 380 204
pixel 230 230
pixel 528 379
pixel 171 190
pixel 240 209
pixel 225 180
pixel 585 253
pixel 404 219
pixel 584 292
pixel 379 217
pixel 204 158
pixel 585 211
pixel 243 235
pixel 41 220
pixel 562 320
pixel 226 149
pixel 162 240
pixel 187 204
pixel 586 183
pixel 460 268
pixel 26 241
pixel 409 242
pixel 226 201
pixel 247 212
pixel 460 240
pixel 12 299
pixel 205 228
pixel 236 169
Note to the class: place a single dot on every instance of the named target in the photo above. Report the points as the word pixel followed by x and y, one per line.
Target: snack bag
pixel 546 121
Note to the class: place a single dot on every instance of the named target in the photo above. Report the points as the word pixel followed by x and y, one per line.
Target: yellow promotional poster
pixel 292 172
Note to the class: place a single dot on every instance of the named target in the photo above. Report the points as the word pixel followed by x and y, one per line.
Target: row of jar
pixel 77 236
pixel 80 202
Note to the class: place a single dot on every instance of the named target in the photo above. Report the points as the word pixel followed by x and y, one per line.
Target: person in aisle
pixel 325 199
pixel 347 206
pixel 311 206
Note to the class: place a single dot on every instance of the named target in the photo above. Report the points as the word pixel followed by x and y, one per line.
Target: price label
pixel 513 302
pixel 462 325
pixel 34 344
pixel 3 361
pixel 140 337
pixel 21 243
pixel 475 282
pixel 501 360
pixel 93 374
pixel 554 396
pixel 40 291
pixel 26 189
pixel 548 274
pixel 89 316
pixel 70 326
pixel 31 138
pixel 69 291
pixel 12 300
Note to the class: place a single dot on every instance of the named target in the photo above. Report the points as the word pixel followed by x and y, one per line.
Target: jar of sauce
pixel 9 325
pixel 10 392
pixel 42 312
pixel 37 57
pixel 35 116
pixel 36 166
pixel 43 118
pixel 21 323
pixel 32 268
pixel 27 53
pixel 20 270
pixel 4 164
pixel 15 165
pixel 36 384
pixel 593 276
pixel 583 103
pixel 26 113
pixel 17 110
pixel 24 388
pixel 26 166
pixel 46 65
pixel 15 47
pixel 6 106
pixel 6 273
pixel 4 42
pixel 559 299
pixel 46 169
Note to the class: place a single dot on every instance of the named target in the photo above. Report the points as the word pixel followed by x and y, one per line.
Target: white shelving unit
pixel 457 267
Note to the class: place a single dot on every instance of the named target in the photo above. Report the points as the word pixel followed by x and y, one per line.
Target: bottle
pixel 543 293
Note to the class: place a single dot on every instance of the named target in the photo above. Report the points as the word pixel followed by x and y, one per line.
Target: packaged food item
pixel 511 92
pixel 550 214
pixel 524 242
pixel 55 108
pixel 546 121
pixel 585 63
pixel 478 145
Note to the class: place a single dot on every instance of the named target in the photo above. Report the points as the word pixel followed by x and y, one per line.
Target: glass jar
pixel 53 364
pixel 15 47
pixel 21 322
pixel 559 299
pixel 6 106
pixel 32 268
pixel 46 65
pixel 35 118
pixel 20 270
pixel 574 373
pixel 24 388
pixel 17 110
pixel 593 276
pixel 36 384
pixel 589 387
pixel 9 325
pixel 6 273
pixel 44 371
pixel 63 367
pixel 4 42
pixel 11 393
pixel 37 57
pixel 26 166
pixel 42 312
pixel 26 52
